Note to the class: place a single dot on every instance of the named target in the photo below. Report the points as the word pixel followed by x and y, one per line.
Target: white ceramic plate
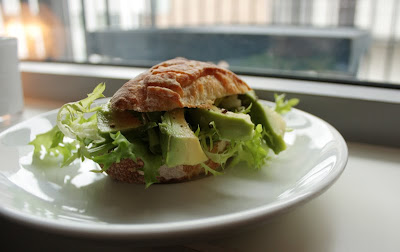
pixel 74 201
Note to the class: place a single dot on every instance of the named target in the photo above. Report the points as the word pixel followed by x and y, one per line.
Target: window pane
pixel 340 39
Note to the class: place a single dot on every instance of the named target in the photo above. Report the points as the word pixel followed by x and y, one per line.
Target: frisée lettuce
pixel 76 136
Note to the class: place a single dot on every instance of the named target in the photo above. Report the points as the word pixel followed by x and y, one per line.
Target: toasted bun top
pixel 177 83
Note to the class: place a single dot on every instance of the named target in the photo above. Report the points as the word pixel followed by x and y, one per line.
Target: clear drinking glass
pixel 11 95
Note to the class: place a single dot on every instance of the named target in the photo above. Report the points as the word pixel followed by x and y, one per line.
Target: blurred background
pixel 353 40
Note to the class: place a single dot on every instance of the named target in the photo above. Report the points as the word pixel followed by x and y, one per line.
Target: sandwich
pixel 178 121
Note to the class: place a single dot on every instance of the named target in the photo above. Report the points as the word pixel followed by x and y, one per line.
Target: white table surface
pixel 360 212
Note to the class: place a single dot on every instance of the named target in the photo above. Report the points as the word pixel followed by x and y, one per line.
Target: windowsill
pixel 360 113
pixel 257 83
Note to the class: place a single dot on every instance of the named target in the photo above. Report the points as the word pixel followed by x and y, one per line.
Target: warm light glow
pixel 35 32
pixel 30 36
pixel 15 29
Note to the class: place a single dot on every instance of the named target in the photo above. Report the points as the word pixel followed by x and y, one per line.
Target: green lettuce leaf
pixel 72 118
pixel 284 106
pixel 122 148
pixel 253 151
pixel 208 169
pixel 51 144
pixel 76 136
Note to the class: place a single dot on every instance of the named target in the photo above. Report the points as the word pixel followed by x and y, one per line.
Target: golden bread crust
pixel 177 83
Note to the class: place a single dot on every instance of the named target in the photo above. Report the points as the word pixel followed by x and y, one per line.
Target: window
pixel 340 57
pixel 346 40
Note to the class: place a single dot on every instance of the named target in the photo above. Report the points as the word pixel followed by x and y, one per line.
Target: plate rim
pixel 187 228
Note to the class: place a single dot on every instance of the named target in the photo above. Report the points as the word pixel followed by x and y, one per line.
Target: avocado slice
pixel 110 121
pixel 179 144
pixel 273 123
pixel 231 126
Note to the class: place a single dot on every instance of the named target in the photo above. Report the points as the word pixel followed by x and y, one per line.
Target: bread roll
pixel 177 83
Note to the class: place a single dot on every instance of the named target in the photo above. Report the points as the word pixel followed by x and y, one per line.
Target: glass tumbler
pixel 11 95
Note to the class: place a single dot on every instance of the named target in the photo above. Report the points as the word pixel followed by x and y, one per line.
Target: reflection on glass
pixel 346 39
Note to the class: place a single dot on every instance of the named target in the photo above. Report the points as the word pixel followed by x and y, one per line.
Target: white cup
pixel 11 96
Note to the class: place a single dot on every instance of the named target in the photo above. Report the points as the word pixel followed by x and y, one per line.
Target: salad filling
pixel 236 129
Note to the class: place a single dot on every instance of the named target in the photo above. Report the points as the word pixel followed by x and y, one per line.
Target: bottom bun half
pixel 130 171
